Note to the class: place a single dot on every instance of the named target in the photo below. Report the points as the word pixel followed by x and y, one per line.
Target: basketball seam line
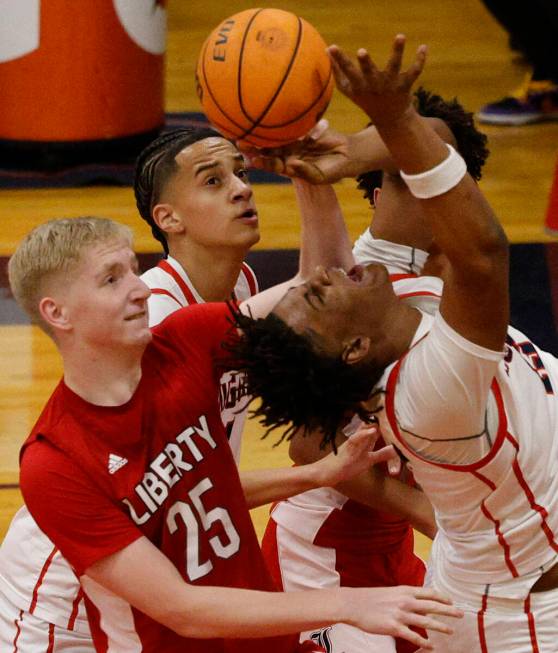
pixel 285 77
pixel 208 87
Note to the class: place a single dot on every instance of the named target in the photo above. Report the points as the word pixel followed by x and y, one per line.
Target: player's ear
pixel 54 314
pixel 355 349
pixel 166 218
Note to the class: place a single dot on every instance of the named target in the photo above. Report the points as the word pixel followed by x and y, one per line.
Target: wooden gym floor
pixel 468 58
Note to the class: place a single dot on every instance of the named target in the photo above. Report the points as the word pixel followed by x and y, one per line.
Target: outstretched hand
pixel 354 456
pixel 397 610
pixel 319 158
pixel 381 94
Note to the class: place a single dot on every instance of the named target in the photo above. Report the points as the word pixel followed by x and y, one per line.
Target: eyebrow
pixel 204 167
pixel 214 164
pixel 108 268
pixel 117 265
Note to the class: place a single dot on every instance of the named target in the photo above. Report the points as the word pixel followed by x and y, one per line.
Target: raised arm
pixel 324 241
pixel 475 301
pixel 327 156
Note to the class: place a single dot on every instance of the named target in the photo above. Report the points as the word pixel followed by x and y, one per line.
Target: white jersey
pixel 322 539
pixel 481 430
pixel 306 513
pixel 34 577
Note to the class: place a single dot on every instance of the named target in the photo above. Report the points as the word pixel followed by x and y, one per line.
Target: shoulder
pixel 247 283
pixel 195 326
pixel 50 420
pixel 44 469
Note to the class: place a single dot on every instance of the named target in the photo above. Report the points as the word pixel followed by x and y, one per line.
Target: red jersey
pixel 96 478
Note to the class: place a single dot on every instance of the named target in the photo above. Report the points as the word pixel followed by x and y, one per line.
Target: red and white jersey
pixel 346 531
pixel 171 289
pixel 33 573
pixel 96 478
pixel 481 431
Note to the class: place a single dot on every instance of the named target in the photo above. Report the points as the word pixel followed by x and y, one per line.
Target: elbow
pixel 490 258
pixel 186 625
pixel 495 252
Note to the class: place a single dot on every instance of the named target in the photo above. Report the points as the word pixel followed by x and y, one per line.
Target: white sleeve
pixel 398 259
pixel 160 306
pixel 443 394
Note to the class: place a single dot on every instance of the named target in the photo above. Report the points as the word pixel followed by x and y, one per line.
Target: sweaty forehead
pixel 208 150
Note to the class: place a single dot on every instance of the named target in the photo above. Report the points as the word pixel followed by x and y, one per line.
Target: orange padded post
pixel 81 71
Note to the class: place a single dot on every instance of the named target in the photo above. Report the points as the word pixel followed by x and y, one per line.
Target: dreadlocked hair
pixel 154 167
pixel 471 143
pixel 298 387
pixel 368 182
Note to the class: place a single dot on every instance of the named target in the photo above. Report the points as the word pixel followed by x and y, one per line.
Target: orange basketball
pixel 264 77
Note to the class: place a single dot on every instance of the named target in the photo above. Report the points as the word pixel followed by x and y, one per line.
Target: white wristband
pixel 437 180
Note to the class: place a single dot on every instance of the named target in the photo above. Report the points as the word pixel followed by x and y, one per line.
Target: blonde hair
pixel 55 248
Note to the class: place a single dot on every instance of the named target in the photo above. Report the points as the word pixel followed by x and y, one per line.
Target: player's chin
pixel 248 233
pixel 140 338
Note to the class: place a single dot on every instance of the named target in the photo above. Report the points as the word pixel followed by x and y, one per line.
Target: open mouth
pixel 356 273
pixel 248 214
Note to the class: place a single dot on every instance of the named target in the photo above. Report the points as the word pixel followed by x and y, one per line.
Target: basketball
pixel 264 77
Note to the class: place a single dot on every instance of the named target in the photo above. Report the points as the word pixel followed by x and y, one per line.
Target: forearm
pixel 141 575
pixel 253 614
pixel 352 458
pixel 263 486
pixel 390 495
pixel 324 237
pixel 262 304
pixel 460 219
pixel 367 151
pixel 205 611
pixel 372 488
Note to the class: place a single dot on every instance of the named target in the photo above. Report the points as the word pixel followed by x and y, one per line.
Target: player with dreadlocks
pixel 470 401
pixel 355 535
